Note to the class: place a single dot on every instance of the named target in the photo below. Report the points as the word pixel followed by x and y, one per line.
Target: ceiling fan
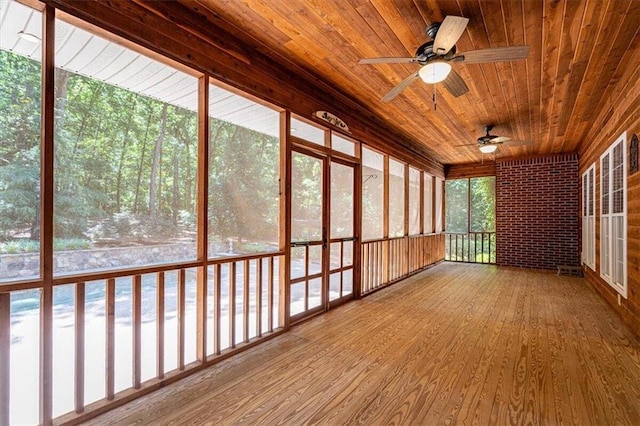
pixel 488 143
pixel 436 57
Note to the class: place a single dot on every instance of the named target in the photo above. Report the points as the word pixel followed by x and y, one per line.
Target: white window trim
pixel 620 285
pixel 589 219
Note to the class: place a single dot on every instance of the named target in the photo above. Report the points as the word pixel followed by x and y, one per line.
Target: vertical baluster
pixel 137 330
pixel 270 272
pixel 341 265
pixel 464 236
pixel 201 313
pixel 110 338
pixel 489 248
pixel 306 283
pixel 246 301
pixel 232 305
pixel 217 309
pixel 475 248
pixel 259 297
pixel 375 262
pixel 365 268
pixel 5 353
pixel 181 319
pixel 79 348
pixel 160 325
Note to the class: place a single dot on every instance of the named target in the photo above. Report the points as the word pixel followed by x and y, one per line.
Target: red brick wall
pixel 537 212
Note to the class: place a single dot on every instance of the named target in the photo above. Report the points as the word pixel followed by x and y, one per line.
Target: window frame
pixel 607 220
pixel 589 217
pixel 438 208
pixel 427 205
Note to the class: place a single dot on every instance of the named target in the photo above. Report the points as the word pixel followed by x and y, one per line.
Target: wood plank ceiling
pixel 579 50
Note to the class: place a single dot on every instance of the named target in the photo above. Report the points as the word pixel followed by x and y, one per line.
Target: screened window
pixel 457 202
pixel 613 219
pixel 588 218
pixel 125 156
pixel 372 194
pixel 482 204
pixel 414 201
pixel 427 206
pixel 438 206
pixel 396 198
pixel 244 161
pixel 470 205
pixel 308 132
pixel 20 89
pixel 340 144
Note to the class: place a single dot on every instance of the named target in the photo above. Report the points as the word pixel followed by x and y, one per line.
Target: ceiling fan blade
pixel 500 139
pixel 400 87
pixel 448 34
pixel 497 54
pixel 512 142
pixel 455 84
pixel 387 61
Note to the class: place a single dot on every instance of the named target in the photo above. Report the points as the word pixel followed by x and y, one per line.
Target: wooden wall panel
pixel 620 113
pixel 461 171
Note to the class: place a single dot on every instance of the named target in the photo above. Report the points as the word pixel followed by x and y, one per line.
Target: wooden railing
pixel 472 247
pixel 388 260
pixel 130 332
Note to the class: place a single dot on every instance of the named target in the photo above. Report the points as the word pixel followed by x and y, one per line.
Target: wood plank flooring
pixel 456 344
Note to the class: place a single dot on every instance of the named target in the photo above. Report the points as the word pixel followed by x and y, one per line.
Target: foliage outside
pixel 126 168
pixel 471 220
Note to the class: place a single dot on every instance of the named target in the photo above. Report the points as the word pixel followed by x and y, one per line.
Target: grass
pixel 31 246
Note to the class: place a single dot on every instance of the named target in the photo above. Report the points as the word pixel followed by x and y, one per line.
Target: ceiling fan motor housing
pixel 425 53
pixel 432 30
pixel 486 139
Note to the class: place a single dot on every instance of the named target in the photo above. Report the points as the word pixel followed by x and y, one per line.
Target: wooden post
pixel 357 228
pixel 326 232
pixel 202 224
pixel 285 221
pixel 46 207
pixel 385 225
pixel 434 181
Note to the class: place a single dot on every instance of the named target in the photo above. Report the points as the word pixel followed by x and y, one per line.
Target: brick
pixel 537 210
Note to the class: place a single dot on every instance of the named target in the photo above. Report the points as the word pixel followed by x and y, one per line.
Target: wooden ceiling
pixel 579 50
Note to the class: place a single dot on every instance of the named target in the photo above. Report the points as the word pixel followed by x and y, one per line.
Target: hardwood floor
pixel 457 344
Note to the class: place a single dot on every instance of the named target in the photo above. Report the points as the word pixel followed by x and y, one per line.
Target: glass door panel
pixel 307 207
pixel 322 199
pixel 341 231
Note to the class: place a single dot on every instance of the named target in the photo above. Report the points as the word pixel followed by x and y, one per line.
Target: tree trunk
pixel 155 165
pixel 125 143
pixel 141 163
pixel 176 190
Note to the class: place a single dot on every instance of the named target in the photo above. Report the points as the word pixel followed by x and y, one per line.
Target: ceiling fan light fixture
pixel 434 72
pixel 488 149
